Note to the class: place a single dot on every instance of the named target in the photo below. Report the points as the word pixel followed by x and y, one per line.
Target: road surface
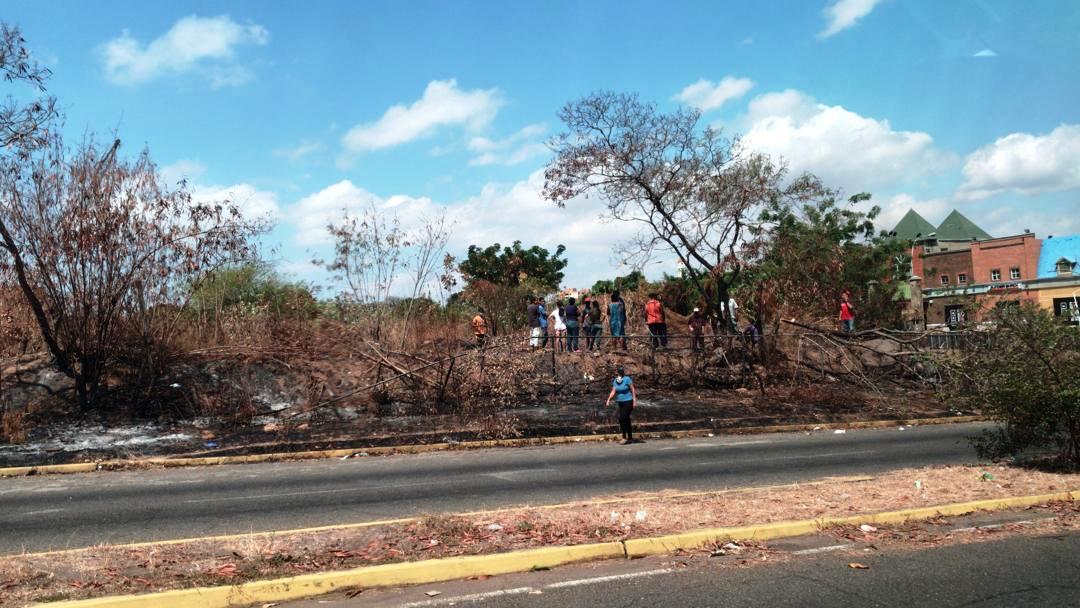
pixel 67 511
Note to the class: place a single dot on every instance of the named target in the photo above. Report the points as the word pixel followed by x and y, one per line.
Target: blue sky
pixel 307 113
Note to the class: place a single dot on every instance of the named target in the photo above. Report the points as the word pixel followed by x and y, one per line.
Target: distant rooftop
pixel 912 225
pixel 955 227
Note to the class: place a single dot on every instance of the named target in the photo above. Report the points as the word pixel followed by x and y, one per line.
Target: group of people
pixel 566 323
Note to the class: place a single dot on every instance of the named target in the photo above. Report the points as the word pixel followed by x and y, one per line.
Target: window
pixel 944 279
pixel 995 275
pixel 961 278
pixel 1065 267
pixel 1014 273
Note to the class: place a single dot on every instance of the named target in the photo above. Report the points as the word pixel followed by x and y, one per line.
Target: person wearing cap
pixel 696 324
pixel 625 395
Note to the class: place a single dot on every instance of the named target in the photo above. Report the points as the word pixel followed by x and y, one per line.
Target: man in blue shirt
pixel 625 395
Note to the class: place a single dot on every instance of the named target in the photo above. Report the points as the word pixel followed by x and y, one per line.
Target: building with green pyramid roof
pixel 911 226
pixel 956 227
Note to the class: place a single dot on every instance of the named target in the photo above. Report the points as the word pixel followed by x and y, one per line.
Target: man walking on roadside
pixel 654 318
pixel 625 395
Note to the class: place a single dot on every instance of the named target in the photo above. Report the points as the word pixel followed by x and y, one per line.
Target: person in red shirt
pixel 654 318
pixel 847 313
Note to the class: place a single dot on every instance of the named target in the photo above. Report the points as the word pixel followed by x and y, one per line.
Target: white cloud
pixel 252 202
pixel 312 214
pixel 442 104
pixel 300 151
pixel 515 149
pixel 707 95
pixel 498 213
pixel 206 45
pixel 843 14
pixel 1024 163
pixel 189 170
pixel 845 149
pixel 894 208
pixel 985 53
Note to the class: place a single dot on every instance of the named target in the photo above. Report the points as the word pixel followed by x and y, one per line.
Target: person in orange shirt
pixel 654 318
pixel 479 326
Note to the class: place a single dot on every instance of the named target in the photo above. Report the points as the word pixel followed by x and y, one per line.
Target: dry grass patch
pixel 108 570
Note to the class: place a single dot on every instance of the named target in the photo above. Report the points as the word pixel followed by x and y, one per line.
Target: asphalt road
pixel 56 512
pixel 1015 571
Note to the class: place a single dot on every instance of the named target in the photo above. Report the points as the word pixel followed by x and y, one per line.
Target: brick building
pixel 1006 260
pixel 965 271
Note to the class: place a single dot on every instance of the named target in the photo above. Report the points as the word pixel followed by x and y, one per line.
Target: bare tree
pixel 693 193
pixel 99 250
pixel 428 247
pixel 23 126
pixel 374 256
pixel 368 254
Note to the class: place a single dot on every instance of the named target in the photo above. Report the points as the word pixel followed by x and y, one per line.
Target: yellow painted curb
pixel 408 573
pixel 690 540
pixel 464 445
pixel 437 570
pixel 76 467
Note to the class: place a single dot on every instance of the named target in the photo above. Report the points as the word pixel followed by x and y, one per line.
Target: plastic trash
pixel 614 516
pixel 986 477
pixel 640 515
pixel 918 484
pixel 839 431
pixel 867 528
pixel 212 444
pixel 494 527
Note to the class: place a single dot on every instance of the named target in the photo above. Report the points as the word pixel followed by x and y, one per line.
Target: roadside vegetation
pixel 123 297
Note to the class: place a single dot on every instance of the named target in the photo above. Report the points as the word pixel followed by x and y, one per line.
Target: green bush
pixel 254 288
pixel 1025 374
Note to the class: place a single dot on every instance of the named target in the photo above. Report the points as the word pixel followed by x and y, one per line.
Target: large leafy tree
pixel 692 193
pixel 807 255
pixel 511 266
pixel 500 279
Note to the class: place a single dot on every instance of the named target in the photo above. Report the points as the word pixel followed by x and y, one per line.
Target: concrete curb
pixel 105 465
pixel 408 573
pixel 666 544
pixel 438 570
